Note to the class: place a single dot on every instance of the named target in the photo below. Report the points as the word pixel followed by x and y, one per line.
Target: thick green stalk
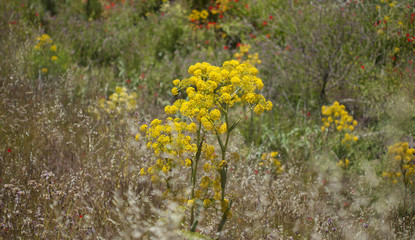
pixel 223 170
pixel 199 141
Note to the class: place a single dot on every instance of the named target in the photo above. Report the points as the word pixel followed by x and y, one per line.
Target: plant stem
pixel 199 141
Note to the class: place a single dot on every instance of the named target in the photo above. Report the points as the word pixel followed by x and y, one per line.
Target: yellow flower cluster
pixel 269 160
pixel 170 143
pixel 243 56
pixel 211 90
pixel 45 55
pixel 119 102
pixel 336 116
pixel 44 42
pixel 343 163
pixel 198 15
pixel 222 6
pixel 404 160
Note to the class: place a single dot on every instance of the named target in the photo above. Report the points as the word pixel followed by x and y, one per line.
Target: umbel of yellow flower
pixel 243 55
pixel 343 163
pixel 211 90
pixel 43 41
pixel 119 102
pixel 269 160
pixel 337 117
pixel 403 162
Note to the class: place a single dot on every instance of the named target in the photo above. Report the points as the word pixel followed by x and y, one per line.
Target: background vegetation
pixel 70 166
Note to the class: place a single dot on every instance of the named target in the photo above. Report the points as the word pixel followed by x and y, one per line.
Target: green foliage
pixel 93 9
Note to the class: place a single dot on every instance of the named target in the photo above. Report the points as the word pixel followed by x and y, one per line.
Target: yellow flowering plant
pixel 244 56
pixel 205 102
pixel 47 58
pixel 337 121
pixel 401 167
pixel 118 103
pixel 270 163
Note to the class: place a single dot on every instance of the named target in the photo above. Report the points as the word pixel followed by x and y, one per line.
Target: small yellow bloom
pixel 44 70
pixel 222 128
pixel 53 48
pixel 175 91
pixel 188 162
pixel 143 127
pixel 190 202
pixel 176 82
pixel 206 202
pixel 137 136
pixel 204 14
pixel 54 58
pixel 215 114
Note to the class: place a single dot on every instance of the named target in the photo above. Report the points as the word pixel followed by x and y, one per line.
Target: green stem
pixel 223 171
pixel 237 122
pixel 199 141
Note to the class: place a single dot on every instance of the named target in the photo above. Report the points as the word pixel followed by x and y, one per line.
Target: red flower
pixel 112 4
pixel 221 16
pixel 268 36
pixel 363 67
pixel 264 23
pixel 210 8
pixel 270 17
pixel 256 171
pixel 162 13
pixel 308 114
pixel 9 150
pixel 226 47
pixel 80 216
pixel 128 80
